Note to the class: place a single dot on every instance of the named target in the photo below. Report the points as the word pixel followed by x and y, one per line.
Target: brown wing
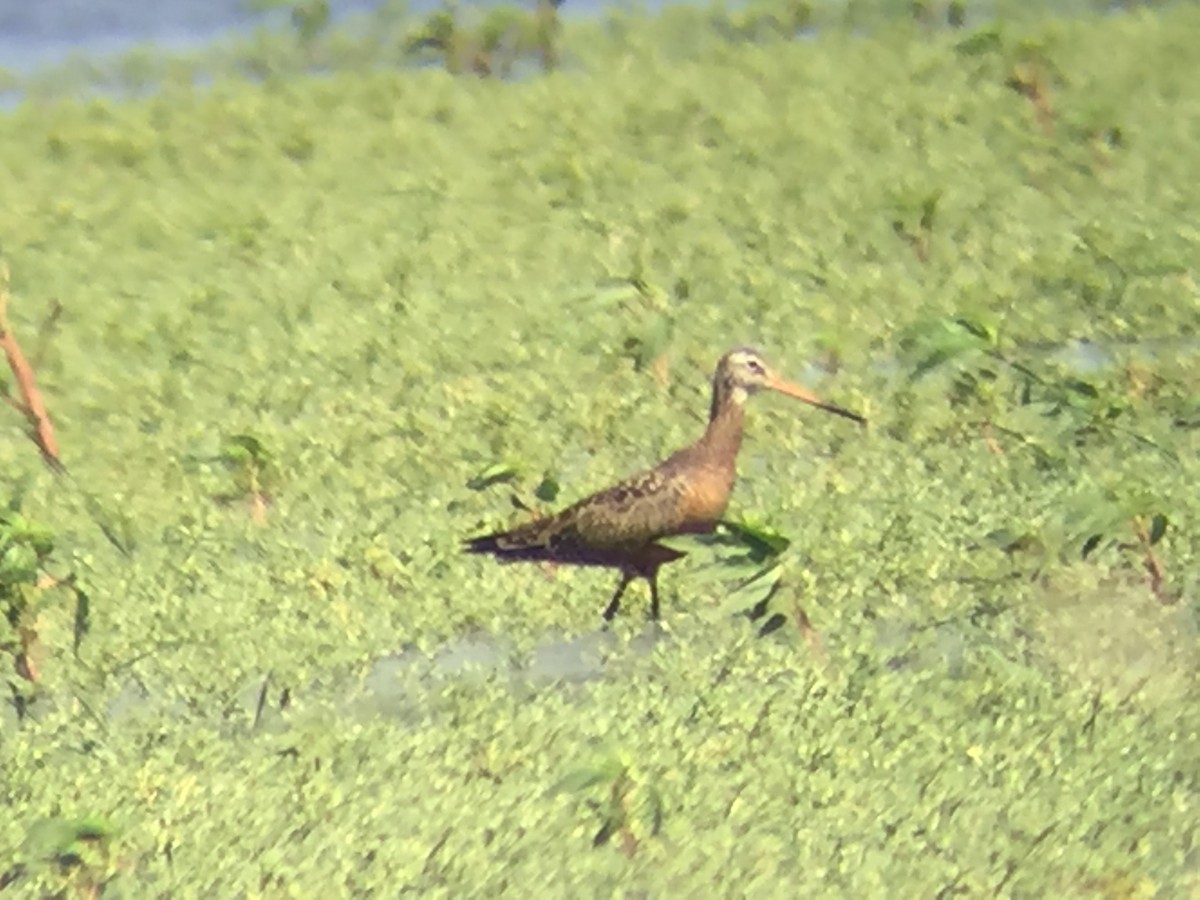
pixel 600 529
pixel 634 512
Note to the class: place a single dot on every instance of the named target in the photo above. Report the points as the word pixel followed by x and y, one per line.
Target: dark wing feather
pixel 640 509
pixel 601 529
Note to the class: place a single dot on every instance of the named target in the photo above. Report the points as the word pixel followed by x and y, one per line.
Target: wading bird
pixel 687 493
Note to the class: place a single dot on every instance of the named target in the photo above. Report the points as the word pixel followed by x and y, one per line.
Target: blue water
pixel 39 33
pixel 36 33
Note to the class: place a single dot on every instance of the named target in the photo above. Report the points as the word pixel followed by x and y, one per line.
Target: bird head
pixel 743 372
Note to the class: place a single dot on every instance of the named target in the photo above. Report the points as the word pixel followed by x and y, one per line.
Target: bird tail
pixel 549 541
pixel 529 542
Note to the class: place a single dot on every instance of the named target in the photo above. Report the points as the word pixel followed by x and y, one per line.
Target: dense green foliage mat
pixel 300 337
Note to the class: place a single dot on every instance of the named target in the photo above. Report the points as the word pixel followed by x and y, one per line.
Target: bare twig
pixel 30 404
pixel 1153 565
pixel 989 438
pixel 810 634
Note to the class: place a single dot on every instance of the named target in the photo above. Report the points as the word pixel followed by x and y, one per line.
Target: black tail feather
pixel 495 545
pixel 511 546
pixel 485 543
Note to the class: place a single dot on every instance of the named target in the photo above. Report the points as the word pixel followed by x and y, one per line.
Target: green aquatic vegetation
pixel 254 472
pixel 28 594
pixel 915 224
pixel 1018 402
pixel 529 502
pixel 77 856
pixel 1008 390
pixel 647 308
pixel 432 304
pixel 931 14
pixel 491 44
pixel 761 21
pixel 1024 64
pixel 749 562
pixel 762 542
pixel 1125 523
pixel 496 473
pixel 629 809
pixel 24 548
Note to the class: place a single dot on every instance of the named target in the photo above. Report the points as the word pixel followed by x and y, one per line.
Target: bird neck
pixel 723 437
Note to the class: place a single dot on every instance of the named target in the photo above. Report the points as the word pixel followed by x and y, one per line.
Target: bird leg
pixel 615 603
pixel 653 580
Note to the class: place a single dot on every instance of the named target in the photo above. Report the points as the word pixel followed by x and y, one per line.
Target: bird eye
pixel 755 366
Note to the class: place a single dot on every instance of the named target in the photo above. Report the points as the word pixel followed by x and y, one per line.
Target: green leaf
pixel 93 828
pixel 1090 545
pixel 651 343
pixel 547 491
pixel 651 812
pixel 985 332
pixel 581 780
pixel 55 837
pixel 118 529
pixel 774 622
pixel 606 831
pixel 17 564
pixel 83 618
pixel 493 474
pixel 981 42
pixel 1091 517
pixel 614 292
pixel 1006 539
pixel 1158 528
pixel 16 529
pixel 763 541
pixel 929 207
pixel 1079 386
pixel 241 448
pixel 17 496
pixel 931 344
pixel 771 573
pixel 753 596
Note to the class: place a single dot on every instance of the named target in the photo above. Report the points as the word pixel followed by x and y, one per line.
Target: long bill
pixel 791 389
